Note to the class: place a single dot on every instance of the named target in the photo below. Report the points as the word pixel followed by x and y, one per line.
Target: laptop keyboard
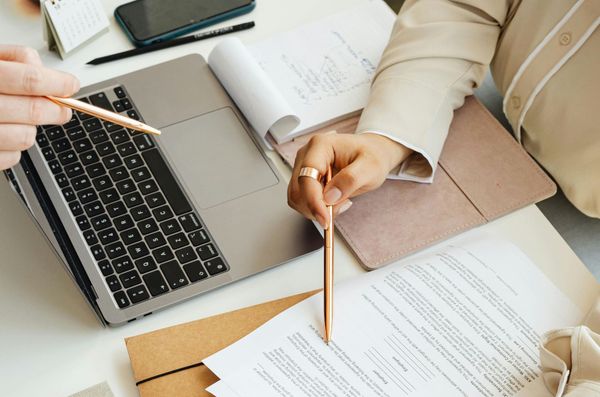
pixel 137 222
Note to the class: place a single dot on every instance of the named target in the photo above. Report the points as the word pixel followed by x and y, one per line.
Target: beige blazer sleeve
pixel 437 54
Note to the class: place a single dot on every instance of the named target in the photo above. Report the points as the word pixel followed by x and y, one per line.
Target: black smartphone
pixel 151 21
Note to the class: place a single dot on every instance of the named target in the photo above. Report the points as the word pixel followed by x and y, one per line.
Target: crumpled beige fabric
pixel 570 358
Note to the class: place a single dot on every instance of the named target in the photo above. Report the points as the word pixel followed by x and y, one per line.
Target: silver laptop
pixel 144 222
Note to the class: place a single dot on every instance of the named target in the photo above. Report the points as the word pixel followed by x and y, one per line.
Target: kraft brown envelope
pixel 483 173
pixel 168 362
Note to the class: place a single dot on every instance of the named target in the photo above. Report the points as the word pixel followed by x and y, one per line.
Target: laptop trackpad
pixel 216 159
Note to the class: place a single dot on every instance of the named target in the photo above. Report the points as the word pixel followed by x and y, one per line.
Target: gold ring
pixel 310 172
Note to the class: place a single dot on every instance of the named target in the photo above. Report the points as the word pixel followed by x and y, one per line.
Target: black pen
pixel 171 43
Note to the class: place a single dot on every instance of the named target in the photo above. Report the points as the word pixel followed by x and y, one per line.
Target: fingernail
pixel 332 195
pixel 344 207
pixel 321 221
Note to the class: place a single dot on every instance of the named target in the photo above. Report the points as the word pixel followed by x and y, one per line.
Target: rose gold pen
pixel 104 114
pixel 328 288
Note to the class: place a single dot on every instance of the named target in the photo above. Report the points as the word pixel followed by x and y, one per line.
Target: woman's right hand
pixel 360 163
pixel 23 83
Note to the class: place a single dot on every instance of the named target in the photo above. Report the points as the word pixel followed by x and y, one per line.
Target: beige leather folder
pixel 483 174
pixel 168 362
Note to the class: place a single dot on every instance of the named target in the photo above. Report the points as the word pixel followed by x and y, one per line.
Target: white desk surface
pixel 50 342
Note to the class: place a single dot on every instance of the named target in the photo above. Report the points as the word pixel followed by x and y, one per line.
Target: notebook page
pixel 76 21
pixel 324 69
pixel 465 321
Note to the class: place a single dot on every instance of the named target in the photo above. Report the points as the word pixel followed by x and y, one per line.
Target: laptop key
pixel 82 222
pixel 155 199
pixel 55 132
pixel 60 145
pixel 98 137
pixel 90 237
pixel 140 212
pixel 119 92
pixel 162 254
pixel 130 236
pixel 125 186
pixel 119 137
pixel 88 158
pixel 118 174
pixel 83 145
pixel 68 194
pixel 166 181
pixel 147 226
pixel 93 209
pixel 100 100
pixel 71 123
pixel 156 283
pixel 195 271
pixel 42 140
pixel 87 196
pixel 116 209
pixel 140 174
pixel 169 227
pixel 138 250
pixel 190 222
pixel 81 182
pixel 145 264
pixel 48 153
pixel 98 252
pixel 105 268
pixel 143 142
pixel 207 251
pixel 126 104
pixel 138 293
pixel 115 250
pixel 118 106
pixel 73 170
pixel 185 255
pixel 121 299
pixel 55 167
pixel 111 127
pixel 133 199
pixel 108 236
pixel 62 180
pixel 215 266
pixel 155 240
pixel 100 222
pixel 67 157
pixel 198 237
pixel 126 149
pixel 124 222
pixel 147 187
pixel 92 124
pixel 105 148
pixel 76 133
pixel 132 114
pixel 162 213
pixel 109 195
pixel 102 182
pixel 113 283
pixel 122 264
pixel 75 207
pixel 95 170
pixel 112 161
pixel 130 279
pixel 177 241
pixel 132 162
pixel 174 275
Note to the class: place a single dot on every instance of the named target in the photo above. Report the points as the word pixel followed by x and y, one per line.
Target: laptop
pixel 144 222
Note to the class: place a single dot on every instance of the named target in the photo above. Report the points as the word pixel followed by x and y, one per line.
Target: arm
pixel 437 54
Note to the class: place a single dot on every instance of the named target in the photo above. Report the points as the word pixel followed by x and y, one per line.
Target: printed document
pixel 464 321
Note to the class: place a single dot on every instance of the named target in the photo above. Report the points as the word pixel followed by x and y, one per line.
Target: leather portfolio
pixel 168 362
pixel 483 173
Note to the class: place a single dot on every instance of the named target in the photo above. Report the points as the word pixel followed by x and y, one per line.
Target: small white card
pixel 72 23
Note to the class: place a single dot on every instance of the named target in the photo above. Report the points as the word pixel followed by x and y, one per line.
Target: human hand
pixel 362 163
pixel 23 83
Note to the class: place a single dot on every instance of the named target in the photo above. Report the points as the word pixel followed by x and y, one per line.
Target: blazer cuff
pixel 418 167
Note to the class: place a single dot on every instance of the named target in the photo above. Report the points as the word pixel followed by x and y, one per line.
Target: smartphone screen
pixel 146 19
